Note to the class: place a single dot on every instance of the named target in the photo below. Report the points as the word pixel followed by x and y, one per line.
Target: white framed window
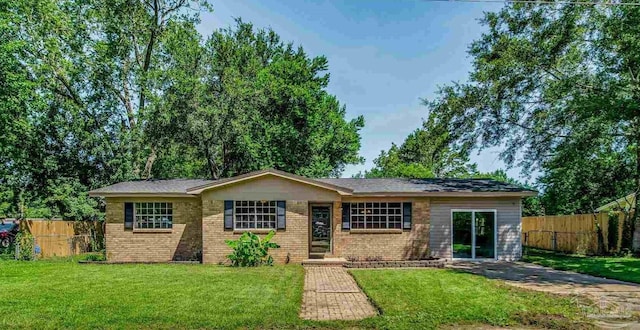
pixel 376 215
pixel 255 215
pixel 153 215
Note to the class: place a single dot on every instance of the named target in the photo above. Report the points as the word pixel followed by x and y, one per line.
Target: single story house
pixel 388 219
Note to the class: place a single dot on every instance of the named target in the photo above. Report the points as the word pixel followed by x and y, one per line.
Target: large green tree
pixel 429 151
pixel 94 92
pixel 82 68
pixel 245 101
pixel 558 87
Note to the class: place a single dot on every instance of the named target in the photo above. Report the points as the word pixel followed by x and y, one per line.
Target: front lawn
pixel 37 295
pixel 57 294
pixel 624 269
pixel 425 299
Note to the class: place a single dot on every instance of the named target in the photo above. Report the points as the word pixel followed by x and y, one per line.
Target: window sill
pixel 158 231
pixel 376 231
pixel 255 231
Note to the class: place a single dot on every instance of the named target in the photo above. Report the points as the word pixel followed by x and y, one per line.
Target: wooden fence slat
pixel 569 233
pixel 61 238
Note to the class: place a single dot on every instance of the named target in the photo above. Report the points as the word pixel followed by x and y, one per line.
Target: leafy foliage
pixel 96 92
pixel 531 206
pixel 249 250
pixel 557 87
pixel 100 256
pixel 245 101
pixel 430 151
pixel 25 243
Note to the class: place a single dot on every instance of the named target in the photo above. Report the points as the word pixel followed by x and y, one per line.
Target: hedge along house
pixel 389 219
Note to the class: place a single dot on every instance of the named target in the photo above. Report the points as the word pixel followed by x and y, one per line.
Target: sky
pixel 384 57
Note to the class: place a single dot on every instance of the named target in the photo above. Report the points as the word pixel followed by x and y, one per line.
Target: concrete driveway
pixel 615 299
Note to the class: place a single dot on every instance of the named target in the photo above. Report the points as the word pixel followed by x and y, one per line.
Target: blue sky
pixel 384 56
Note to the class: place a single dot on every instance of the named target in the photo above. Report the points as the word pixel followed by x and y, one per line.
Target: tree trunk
pixel 212 165
pixel 149 165
pixel 635 244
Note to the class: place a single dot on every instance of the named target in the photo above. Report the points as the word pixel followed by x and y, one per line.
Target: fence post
pixel 554 241
pixel 526 238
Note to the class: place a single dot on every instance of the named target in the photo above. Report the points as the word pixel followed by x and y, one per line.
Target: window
pixel 255 215
pixel 153 215
pixel 376 215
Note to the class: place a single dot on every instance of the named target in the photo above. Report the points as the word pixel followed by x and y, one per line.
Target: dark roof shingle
pixel 424 185
pixel 173 186
pixel 181 186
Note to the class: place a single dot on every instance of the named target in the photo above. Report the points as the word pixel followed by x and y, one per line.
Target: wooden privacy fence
pixel 573 233
pixel 58 238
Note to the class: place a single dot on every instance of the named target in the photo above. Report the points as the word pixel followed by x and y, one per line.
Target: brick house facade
pixel 388 219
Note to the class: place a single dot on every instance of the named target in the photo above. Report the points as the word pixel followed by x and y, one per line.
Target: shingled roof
pixel 424 185
pixel 173 186
pixel 349 185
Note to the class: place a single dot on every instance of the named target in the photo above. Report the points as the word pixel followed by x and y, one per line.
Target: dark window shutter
pixel 406 215
pixel 228 214
pixel 128 216
pixel 282 214
pixel 346 216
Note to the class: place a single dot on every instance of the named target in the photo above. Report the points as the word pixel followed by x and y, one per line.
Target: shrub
pixel 26 245
pixel 249 250
pixel 98 256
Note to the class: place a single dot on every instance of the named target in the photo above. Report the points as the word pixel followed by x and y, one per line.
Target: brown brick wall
pixel 199 226
pixel 395 245
pixel 183 242
pixel 293 241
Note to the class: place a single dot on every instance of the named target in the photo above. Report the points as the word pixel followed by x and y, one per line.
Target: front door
pixel 320 230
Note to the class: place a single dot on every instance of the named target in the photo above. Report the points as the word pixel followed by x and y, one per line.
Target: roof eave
pixel 254 175
pixel 448 194
pixel 139 194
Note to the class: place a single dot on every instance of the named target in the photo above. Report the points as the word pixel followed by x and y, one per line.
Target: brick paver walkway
pixel 330 293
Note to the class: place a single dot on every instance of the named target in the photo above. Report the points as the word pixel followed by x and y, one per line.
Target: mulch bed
pixel 433 263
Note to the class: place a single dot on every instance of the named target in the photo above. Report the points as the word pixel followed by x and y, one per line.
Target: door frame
pixel 310 234
pixel 473 230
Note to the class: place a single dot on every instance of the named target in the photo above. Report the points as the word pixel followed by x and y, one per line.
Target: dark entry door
pixel 320 229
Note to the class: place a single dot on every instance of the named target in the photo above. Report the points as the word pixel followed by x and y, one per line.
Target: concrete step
pixel 338 262
pixel 316 255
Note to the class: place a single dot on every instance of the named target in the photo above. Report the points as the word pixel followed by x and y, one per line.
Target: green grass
pixel 415 299
pixel 624 269
pixel 54 295
pixel 64 294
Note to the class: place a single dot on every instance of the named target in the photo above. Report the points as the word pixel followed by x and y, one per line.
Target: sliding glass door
pixel 462 234
pixel 473 234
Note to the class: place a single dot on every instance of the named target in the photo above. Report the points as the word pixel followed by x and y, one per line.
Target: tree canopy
pixel 557 87
pixel 95 92
pixel 429 151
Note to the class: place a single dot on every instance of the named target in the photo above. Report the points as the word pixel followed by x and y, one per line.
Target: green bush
pixel 97 256
pixel 26 244
pixel 249 250
pixel 8 253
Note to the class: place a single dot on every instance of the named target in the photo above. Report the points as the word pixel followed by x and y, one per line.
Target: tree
pixel 531 206
pixel 556 84
pixel 96 92
pixel 430 151
pixel 77 80
pixel 246 101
